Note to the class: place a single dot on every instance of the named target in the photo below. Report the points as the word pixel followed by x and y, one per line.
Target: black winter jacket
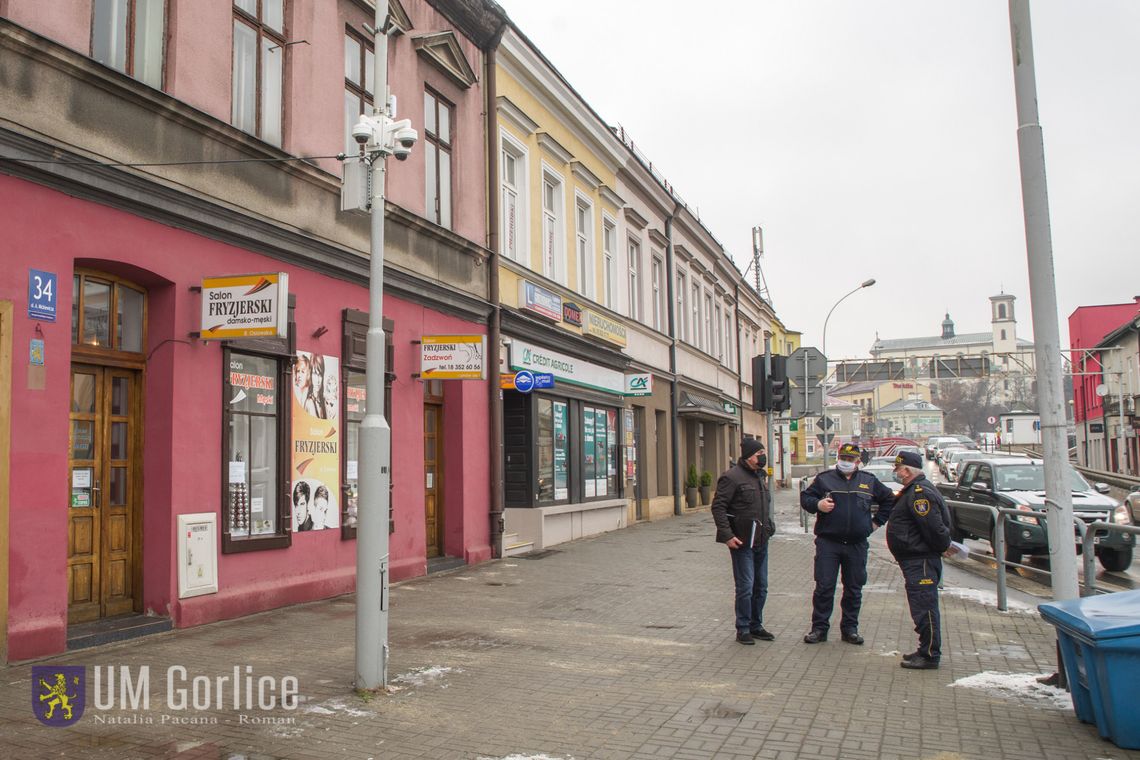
pixel 855 515
pixel 741 501
pixel 920 522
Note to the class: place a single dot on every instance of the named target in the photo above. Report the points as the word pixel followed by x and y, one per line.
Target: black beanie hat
pixel 750 446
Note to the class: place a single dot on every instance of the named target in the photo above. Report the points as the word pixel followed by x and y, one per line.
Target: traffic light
pixel 759 385
pixel 778 396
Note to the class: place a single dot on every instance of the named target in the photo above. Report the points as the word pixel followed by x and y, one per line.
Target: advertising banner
pixel 315 466
pixel 245 306
pixel 453 357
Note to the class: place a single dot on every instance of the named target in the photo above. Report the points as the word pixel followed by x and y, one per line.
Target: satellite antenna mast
pixel 757 254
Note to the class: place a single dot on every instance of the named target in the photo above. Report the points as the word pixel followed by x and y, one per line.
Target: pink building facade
pixel 116 417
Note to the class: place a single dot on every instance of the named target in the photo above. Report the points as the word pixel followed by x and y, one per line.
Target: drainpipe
pixel 494 326
pixel 674 416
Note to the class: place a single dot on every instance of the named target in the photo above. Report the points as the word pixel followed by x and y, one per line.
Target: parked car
pixel 957 458
pixel 886 474
pixel 1019 483
pixel 880 460
pixel 967 442
pixel 943 456
pixel 916 449
pixel 1134 504
pixel 933 441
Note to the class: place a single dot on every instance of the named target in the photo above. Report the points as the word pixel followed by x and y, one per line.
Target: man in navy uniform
pixel 917 534
pixel 742 511
pixel 849 505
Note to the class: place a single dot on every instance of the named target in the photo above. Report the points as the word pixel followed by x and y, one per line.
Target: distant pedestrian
pixel 917 534
pixel 849 506
pixel 742 510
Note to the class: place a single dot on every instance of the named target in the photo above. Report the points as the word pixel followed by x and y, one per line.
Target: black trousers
pixel 922 577
pixel 833 559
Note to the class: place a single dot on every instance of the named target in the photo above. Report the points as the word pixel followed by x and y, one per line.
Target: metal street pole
pixel 826 371
pixel 375 434
pixel 1043 299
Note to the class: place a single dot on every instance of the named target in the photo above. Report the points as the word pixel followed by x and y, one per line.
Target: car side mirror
pixel 980 487
pixel 1101 487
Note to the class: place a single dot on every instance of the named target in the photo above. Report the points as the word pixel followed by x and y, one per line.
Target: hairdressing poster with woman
pixel 316 442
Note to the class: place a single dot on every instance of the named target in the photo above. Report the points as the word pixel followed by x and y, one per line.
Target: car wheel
pixel 956 533
pixel 1012 553
pixel 1114 560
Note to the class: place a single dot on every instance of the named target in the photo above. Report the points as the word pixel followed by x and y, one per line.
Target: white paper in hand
pixel 957 551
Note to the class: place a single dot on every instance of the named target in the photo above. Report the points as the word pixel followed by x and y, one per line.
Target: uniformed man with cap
pixel 849 505
pixel 742 511
pixel 917 535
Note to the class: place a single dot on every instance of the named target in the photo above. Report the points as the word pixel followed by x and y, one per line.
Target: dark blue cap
pixel 909 458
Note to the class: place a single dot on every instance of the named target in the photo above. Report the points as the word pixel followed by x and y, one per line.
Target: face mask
pixel 845 467
pixel 762 462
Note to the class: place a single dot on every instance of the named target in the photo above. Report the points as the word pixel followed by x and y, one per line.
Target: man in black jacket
pixel 917 535
pixel 844 501
pixel 742 510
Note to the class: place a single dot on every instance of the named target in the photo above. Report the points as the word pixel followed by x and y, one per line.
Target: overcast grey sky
pixel 875 139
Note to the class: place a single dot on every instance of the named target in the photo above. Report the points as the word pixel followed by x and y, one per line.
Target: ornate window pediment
pixel 442 49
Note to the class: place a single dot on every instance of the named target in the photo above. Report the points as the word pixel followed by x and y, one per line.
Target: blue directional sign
pixel 543 380
pixel 42 296
pixel 524 381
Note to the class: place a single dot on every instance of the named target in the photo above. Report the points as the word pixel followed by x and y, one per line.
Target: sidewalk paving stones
pixel 618 647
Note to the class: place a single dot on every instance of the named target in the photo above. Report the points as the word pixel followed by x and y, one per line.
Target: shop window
pixel 599 452
pixel 552 459
pixel 354 406
pixel 255 444
pixel 107 313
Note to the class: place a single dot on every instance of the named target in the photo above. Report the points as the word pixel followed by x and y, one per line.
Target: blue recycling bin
pixel 1100 645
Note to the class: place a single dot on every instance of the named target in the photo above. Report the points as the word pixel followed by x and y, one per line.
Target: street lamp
pixel 823 400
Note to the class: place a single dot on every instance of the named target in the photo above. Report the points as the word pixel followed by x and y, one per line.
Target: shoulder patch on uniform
pixel 921 507
pixel 918 489
pixel 865 485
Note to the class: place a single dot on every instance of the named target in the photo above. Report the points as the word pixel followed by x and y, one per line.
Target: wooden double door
pixel 103 551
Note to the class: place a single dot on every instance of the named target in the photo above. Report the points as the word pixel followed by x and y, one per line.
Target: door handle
pixel 95 489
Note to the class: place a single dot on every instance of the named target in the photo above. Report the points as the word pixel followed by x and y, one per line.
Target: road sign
pixel 807 402
pixel 825 438
pixel 524 381
pixel 543 380
pixel 815 369
pixel 991 420
pixel 824 423
pixel 794 426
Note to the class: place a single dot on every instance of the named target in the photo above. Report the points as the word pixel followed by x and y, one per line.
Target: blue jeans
pixel 750 572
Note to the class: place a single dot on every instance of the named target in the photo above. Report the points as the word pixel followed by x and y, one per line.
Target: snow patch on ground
pixel 1023 687
pixel 422 676
pixel 333 706
pixel 988 598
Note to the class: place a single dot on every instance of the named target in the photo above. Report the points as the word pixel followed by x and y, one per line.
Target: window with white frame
pixel 634 279
pixel 710 325
pixel 259 68
pixel 359 64
pixel 729 355
pixel 609 268
pixel 438 140
pixel 682 316
pixel 718 343
pixel 584 246
pixel 553 246
pixel 696 305
pixel 512 167
pixel 128 35
pixel 658 283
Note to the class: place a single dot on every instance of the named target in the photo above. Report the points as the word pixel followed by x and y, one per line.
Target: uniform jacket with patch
pixel 862 503
pixel 742 501
pixel 920 522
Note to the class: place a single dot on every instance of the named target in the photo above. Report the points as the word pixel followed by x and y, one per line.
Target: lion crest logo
pixel 58 694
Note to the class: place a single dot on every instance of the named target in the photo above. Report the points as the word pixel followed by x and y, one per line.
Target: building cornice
pixel 515 116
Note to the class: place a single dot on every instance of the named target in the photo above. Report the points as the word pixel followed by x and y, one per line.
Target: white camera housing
pixel 406 137
pixel 362 132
